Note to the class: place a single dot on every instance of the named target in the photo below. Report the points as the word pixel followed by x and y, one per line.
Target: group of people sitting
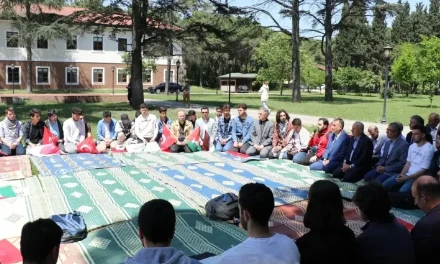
pixel 329 240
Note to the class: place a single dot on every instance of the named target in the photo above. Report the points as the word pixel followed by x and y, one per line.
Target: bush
pixel 390 94
pixel 341 92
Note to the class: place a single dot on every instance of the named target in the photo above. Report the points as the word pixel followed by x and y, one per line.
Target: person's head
pixel 322 124
pixel 205 112
pixel 266 82
pixel 426 193
pixel 226 110
pixel 433 120
pixel 35 115
pixel 393 131
pixel 52 115
pixel 219 111
pixel 10 113
pixel 282 116
pixel 357 129
pixel 373 201
pixel 107 115
pixel 256 203
pixel 242 108
pixel 192 115
pixel 262 114
pixel 181 116
pixel 163 112
pixel 157 222
pixel 144 109
pixel 124 117
pixel 325 208
pixel 76 113
pixel 40 242
pixel 337 125
pixel 373 131
pixel 416 120
pixel 418 133
pixel 296 124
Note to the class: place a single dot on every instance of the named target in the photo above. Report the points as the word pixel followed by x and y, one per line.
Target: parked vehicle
pixel 172 87
pixel 242 89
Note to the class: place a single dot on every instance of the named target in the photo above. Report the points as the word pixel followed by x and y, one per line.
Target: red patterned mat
pixel 14 164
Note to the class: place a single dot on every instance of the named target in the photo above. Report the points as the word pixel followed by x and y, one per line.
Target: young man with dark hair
pixel 191 116
pixel 242 127
pixel 107 132
pixel 298 141
pixel 33 130
pixel 206 124
pixel 281 130
pixel 157 223
pixel 417 120
pixel 55 126
pixel 224 130
pixel 145 125
pixel 426 232
pixel 11 133
pixel 318 142
pixel 163 120
pixel 256 204
pixel 40 242
pixel 383 240
pixel 74 130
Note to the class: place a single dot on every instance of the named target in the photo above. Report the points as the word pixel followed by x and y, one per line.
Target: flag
pixel 206 142
pixel 167 139
pixel 194 136
pixel 44 150
pixel 87 146
pixel 49 138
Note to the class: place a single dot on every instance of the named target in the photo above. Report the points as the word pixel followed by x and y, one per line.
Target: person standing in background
pixel 186 94
pixel 264 91
pixel 129 91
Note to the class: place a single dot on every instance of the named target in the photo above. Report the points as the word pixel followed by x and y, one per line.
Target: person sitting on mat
pixel 162 121
pixel 261 136
pixel 145 126
pixel 107 132
pixel 55 126
pixel 33 130
pixel 74 130
pixel 224 130
pixel 40 242
pixel 298 141
pixel 206 124
pixel 157 224
pixel 242 127
pixel 11 133
pixel 281 130
pixel 127 127
pixel 181 129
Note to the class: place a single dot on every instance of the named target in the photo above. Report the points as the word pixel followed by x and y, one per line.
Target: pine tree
pixel 401 27
pixel 378 39
pixel 434 17
pixel 420 23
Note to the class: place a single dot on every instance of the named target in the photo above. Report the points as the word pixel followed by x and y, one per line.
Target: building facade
pixel 87 61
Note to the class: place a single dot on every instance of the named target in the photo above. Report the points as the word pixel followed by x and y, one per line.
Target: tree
pixel 434 17
pixel 420 23
pixel 378 39
pixel 429 67
pixel 401 27
pixel 352 79
pixel 311 76
pixel 405 68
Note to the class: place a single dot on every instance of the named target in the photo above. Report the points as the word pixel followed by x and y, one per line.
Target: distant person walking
pixel 186 94
pixel 264 91
pixel 130 91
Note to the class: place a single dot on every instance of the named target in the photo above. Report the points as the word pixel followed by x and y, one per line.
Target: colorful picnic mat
pixel 15 164
pixel 194 234
pixel 62 164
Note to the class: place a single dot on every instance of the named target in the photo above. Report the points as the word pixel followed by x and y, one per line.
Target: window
pixel 12 39
pixel 71 43
pixel 97 75
pixel 122 76
pixel 72 75
pixel 224 83
pixel 43 75
pixel 97 43
pixel 42 43
pixel 13 76
pixel 171 75
pixel 147 76
pixel 122 44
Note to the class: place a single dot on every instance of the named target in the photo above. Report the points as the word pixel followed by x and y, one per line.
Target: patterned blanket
pixel 62 164
pixel 11 165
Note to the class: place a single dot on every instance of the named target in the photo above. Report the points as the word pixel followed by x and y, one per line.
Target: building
pixel 238 82
pixel 82 62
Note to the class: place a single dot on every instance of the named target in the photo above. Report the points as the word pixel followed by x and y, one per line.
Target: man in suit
pixel 433 126
pixel 336 148
pixel 261 136
pixel 378 140
pixel 393 158
pixel 358 157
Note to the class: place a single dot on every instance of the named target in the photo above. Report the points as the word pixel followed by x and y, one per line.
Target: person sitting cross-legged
pixel 241 130
pixel 297 141
pixel 393 157
pixel 383 240
pixel 336 149
pixel 55 126
pixel 11 133
pixel 224 130
pixel 419 158
pixel 206 124
pixel 357 160
pixel 282 129
pixel 181 129
pixel 40 242
pixel 162 121
pixel 33 130
pixel 107 132
pixel 256 204
pixel 378 141
pixel 127 128
pixel 261 136
pixel 157 224
pixel 145 125
pixel 318 142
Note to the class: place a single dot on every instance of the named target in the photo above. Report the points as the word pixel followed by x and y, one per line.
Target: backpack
pixel 73 226
pixel 223 207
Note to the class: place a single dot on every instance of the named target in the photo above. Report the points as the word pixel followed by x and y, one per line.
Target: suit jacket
pixel 336 149
pixel 362 153
pixel 426 236
pixel 396 159
pixel 262 135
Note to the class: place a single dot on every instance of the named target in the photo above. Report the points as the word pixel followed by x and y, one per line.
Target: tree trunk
pixel 136 65
pixel 28 51
pixel 328 51
pixel 296 85
pixel 201 75
pixel 168 75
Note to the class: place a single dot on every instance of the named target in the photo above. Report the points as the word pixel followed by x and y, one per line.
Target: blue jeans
pixel 374 175
pixel 19 150
pixel 298 157
pixel 222 148
pixel 264 105
pixel 391 183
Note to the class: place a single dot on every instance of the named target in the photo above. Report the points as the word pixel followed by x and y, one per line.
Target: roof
pixel 237 75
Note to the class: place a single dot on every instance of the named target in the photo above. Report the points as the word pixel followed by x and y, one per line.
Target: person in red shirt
pixel 317 143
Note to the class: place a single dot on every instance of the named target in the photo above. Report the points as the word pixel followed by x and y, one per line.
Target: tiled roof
pixel 237 75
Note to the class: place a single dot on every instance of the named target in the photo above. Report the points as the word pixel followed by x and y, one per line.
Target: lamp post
pixel 13 78
pixel 113 79
pixel 230 62
pixel 70 75
pixel 177 88
pixel 387 54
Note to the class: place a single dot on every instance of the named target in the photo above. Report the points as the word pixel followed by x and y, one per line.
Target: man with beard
pixel 74 130
pixel 262 135
pixel 33 130
pixel 317 143
pixel 181 129
pixel 282 128
pixel 11 134
pixel 224 130
pixel 417 120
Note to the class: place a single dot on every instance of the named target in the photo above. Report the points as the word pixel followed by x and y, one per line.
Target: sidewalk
pixel 305 119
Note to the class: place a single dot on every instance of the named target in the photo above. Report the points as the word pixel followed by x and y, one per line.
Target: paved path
pixel 306 119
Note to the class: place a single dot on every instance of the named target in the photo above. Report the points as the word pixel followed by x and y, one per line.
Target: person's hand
pixel 152 140
pixel 313 159
pixel 235 145
pixel 183 143
pixel 380 169
pixel 258 148
pixel 240 144
pixel 345 167
pixel 401 178
pixel 278 148
pixel 325 162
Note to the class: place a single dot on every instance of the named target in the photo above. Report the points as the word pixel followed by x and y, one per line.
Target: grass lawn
pixel 363 108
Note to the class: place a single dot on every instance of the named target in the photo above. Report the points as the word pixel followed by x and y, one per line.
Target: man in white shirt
pixel 145 125
pixel 418 162
pixel 206 124
pixel 256 203
pixel 74 130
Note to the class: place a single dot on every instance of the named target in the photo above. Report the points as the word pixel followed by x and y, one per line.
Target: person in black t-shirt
pixel 33 130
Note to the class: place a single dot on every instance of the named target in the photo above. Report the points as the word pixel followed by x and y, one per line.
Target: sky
pixel 304 23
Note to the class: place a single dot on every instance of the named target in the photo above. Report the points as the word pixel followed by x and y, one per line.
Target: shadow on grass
pixel 426 106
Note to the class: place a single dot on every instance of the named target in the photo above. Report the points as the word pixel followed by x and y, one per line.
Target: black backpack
pixel 224 207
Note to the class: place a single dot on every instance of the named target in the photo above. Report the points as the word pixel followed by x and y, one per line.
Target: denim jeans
pixel 298 157
pixel 391 183
pixel 223 148
pixel 19 150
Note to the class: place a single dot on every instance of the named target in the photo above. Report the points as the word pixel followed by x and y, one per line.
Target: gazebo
pixel 237 79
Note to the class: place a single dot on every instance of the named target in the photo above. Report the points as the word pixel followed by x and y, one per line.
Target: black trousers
pixel 354 174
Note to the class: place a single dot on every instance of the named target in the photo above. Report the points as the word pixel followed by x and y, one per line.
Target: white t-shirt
pixel 420 157
pixel 277 249
pixel 106 130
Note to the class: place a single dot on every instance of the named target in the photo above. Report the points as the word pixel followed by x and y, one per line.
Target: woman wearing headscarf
pixel 127 127
pixel 11 133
